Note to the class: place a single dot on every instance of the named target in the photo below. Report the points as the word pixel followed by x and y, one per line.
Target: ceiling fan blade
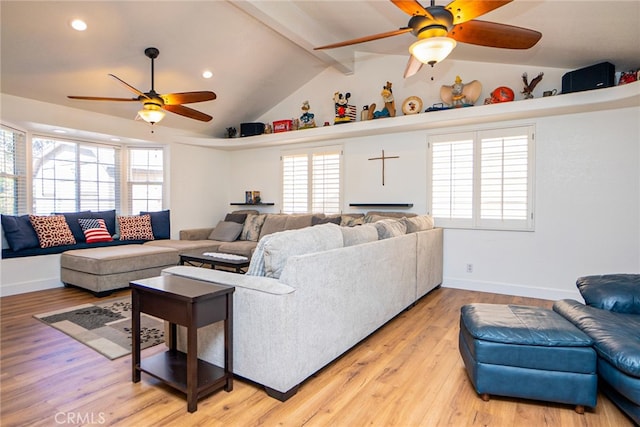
pixel 102 98
pixel 492 34
pixel 366 39
pixel 131 88
pixel 188 112
pixel 412 7
pixel 413 66
pixel 466 10
pixel 187 97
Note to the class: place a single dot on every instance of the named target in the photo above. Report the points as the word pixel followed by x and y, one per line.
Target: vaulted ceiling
pixel 261 51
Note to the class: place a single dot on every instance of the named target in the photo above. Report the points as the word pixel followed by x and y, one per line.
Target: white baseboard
pixel 512 289
pixel 24 287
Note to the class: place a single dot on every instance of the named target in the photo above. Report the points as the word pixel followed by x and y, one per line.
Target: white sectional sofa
pixel 317 304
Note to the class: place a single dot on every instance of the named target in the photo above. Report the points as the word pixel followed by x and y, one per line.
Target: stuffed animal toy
pixel 461 94
pixel 389 109
pixel 342 107
pixel 307 119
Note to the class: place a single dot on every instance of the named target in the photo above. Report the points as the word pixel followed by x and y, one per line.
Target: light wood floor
pixel 409 373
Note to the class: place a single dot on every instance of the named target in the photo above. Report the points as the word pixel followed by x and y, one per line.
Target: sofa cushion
pixel 226 231
pixel 19 232
pixel 238 247
pixel 349 220
pixel 72 222
pixel 273 223
pixel 357 235
pixel 619 293
pixel 615 335
pixel 388 228
pixel 160 223
pixel 135 227
pixel 287 243
pixel 297 221
pixel 256 265
pixel 252 227
pixel 52 230
pixel 326 219
pixel 418 223
pixel 95 230
pixel 236 217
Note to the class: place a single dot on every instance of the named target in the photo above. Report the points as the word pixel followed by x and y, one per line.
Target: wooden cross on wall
pixel 383 158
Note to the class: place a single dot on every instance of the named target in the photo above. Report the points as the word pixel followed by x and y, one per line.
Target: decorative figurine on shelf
pixel 232 132
pixel 389 109
pixel 461 94
pixel 528 87
pixel 628 77
pixel 307 119
pixel 342 108
pixel 364 114
pixel 500 94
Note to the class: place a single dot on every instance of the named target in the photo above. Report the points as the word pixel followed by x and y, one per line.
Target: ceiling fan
pixel 154 103
pixel 438 28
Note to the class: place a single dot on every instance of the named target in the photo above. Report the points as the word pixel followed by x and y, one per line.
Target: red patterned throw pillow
pixel 52 230
pixel 136 227
pixel 95 230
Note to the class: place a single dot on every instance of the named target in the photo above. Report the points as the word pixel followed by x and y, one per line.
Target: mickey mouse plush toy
pixel 342 107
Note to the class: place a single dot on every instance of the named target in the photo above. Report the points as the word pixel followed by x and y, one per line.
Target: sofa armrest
pixel 195 233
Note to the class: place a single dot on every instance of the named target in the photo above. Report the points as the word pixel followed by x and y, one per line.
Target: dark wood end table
pixel 193 304
pixel 198 259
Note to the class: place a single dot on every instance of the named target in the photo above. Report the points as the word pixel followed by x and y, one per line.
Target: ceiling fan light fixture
pixel 151 113
pixel 432 50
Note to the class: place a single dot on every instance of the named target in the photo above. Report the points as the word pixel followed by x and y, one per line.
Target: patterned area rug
pixel 105 326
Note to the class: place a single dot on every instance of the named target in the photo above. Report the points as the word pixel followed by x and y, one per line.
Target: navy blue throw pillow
pixel 160 224
pixel 109 219
pixel 74 225
pixel 19 232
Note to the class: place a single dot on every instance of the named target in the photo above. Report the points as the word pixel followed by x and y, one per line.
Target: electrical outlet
pixel 469 268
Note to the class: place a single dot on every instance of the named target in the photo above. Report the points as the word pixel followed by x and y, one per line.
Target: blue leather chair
pixel 611 318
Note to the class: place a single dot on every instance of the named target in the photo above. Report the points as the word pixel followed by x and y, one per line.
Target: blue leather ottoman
pixel 527 352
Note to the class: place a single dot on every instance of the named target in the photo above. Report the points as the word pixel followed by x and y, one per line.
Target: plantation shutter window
pixel 295 178
pixel 311 181
pixel 482 179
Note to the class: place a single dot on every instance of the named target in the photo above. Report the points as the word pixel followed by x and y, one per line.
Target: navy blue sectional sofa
pixel 611 318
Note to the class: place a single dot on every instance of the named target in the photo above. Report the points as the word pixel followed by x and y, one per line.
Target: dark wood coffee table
pixel 198 259
pixel 193 304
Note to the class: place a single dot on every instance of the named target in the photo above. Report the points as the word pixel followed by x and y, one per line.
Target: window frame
pixel 475 220
pixel 78 164
pixel 121 203
pixel 309 154
pixel 19 175
pixel 127 183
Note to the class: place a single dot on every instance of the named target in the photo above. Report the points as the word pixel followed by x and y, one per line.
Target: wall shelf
pixel 580 102
pixel 253 204
pixel 381 205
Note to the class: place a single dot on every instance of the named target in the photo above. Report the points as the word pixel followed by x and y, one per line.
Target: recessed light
pixel 78 25
pixel 207 74
pixel 59 131
pixel 115 139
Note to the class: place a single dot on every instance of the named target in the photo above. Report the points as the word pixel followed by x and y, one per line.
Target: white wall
pixel 587 179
